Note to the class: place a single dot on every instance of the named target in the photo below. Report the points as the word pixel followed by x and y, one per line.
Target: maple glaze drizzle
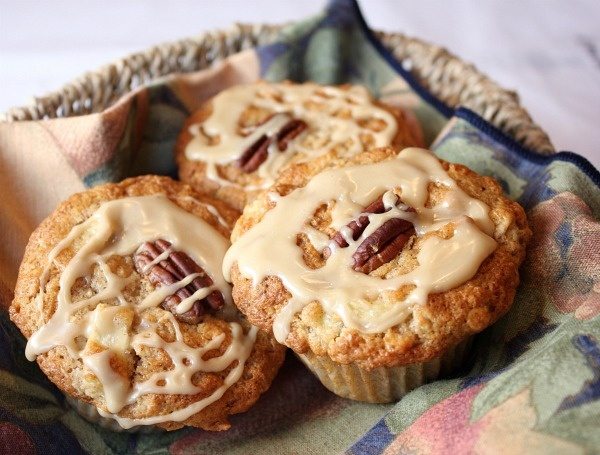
pixel 104 319
pixel 269 247
pixel 336 122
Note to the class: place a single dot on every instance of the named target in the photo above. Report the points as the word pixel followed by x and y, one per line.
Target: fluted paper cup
pixel 383 384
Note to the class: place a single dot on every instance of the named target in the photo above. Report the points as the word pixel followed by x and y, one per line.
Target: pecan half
pixel 383 245
pixel 288 133
pixel 176 267
pixel 358 226
pixel 255 155
pixel 258 151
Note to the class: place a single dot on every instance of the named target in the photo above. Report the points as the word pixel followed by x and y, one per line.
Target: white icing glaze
pixel 269 247
pixel 287 101
pixel 104 319
pixel 316 237
pixel 186 304
pixel 161 257
pixel 116 387
pixel 155 298
pixel 239 349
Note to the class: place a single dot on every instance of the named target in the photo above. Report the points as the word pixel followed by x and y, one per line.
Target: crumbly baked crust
pixel 446 319
pixel 73 378
pixel 194 172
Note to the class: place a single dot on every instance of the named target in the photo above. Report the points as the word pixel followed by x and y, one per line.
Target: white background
pixel 548 51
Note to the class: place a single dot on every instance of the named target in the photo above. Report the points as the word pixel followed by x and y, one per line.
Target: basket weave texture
pixel 450 79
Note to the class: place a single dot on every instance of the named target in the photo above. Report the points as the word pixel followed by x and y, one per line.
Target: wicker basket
pixel 446 76
pixel 443 74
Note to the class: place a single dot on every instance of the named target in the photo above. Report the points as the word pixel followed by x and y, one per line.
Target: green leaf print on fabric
pixel 414 404
pixel 458 148
pixel 520 330
pixel 41 405
pixel 578 424
pixel 285 60
pixel 95 439
pixel 322 56
pixel 547 370
pixel 282 67
pixel 366 65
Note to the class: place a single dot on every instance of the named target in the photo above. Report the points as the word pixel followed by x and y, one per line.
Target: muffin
pixel 237 143
pixel 122 299
pixel 377 269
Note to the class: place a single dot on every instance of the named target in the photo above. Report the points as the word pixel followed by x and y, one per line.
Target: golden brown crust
pixel 73 378
pixel 194 172
pixel 446 319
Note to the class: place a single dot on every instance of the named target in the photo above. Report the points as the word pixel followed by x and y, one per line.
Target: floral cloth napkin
pixel 533 382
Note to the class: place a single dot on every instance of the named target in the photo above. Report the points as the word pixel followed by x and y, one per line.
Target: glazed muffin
pixel 237 143
pixel 122 299
pixel 377 269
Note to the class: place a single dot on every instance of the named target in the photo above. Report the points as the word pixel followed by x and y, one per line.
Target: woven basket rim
pixel 450 79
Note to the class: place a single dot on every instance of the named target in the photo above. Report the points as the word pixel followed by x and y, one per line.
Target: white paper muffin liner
pixel 91 414
pixel 383 384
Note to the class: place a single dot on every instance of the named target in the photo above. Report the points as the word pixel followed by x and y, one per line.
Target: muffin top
pixel 236 144
pixel 383 259
pixel 122 299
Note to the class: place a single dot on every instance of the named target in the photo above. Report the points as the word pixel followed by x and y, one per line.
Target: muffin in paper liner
pixel 296 118
pixel 98 343
pixel 437 247
pixel 383 384
pixel 90 413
